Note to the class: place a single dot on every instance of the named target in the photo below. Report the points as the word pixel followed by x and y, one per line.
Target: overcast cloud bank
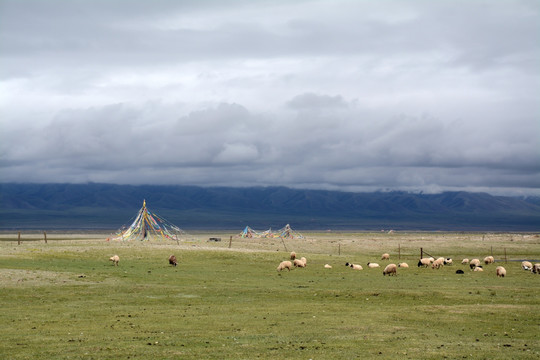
pixel 349 95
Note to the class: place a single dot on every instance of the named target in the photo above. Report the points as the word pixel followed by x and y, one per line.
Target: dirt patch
pixel 17 277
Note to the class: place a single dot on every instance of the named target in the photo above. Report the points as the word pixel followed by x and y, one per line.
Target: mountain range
pixel 109 206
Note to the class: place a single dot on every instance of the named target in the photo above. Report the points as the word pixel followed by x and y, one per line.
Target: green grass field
pixel 64 299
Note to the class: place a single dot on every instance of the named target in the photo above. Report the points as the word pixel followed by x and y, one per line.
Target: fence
pixel 20 239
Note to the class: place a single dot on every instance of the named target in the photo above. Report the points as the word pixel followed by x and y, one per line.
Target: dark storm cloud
pixel 227 144
pixel 359 95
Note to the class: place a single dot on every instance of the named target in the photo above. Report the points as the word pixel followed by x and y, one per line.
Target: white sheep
pixel 356 267
pixel 478 268
pixel 425 262
pixel 448 261
pixel 327 266
pixel 489 260
pixel 385 256
pixel 465 261
pixel 437 264
pixel 536 269
pixel 293 255
pixel 501 271
pixel 115 259
pixel 390 269
pixel 304 260
pixel 403 265
pixel 474 263
pixel 284 265
pixel 373 265
pixel 299 263
pixel 431 259
pixel 526 265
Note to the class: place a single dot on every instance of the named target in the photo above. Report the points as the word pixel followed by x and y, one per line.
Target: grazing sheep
pixel 489 260
pixel 526 265
pixel 115 259
pixel 284 265
pixel 403 265
pixel 293 255
pixel 172 260
pixel 304 260
pixel 460 272
pixel 465 261
pixel 474 263
pixel 356 267
pixel 425 262
pixel 536 269
pixel 437 264
pixel 299 263
pixel 372 265
pixel 385 256
pixel 390 269
pixel 501 271
pixel 478 268
pixel 327 266
pixel 431 259
pixel 448 261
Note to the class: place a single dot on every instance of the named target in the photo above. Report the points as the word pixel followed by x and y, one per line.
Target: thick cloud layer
pixel 350 95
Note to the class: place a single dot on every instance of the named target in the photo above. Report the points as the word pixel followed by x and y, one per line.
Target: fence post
pixel 421 253
pixel 491 250
pixel 505 260
pixel 230 241
pixel 19 238
pixel 45 236
pixel 339 248
pixel 399 251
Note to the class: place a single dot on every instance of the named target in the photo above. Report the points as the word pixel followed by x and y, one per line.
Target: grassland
pixel 64 299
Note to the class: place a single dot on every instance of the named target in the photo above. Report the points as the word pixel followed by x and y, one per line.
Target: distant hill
pixel 107 206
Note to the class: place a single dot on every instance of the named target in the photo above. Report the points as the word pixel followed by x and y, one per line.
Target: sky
pixel 349 95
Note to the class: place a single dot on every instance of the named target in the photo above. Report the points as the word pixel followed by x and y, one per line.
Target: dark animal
pixel 172 260
pixel 459 272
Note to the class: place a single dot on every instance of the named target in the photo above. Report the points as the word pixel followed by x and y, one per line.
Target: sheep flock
pixel 474 265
